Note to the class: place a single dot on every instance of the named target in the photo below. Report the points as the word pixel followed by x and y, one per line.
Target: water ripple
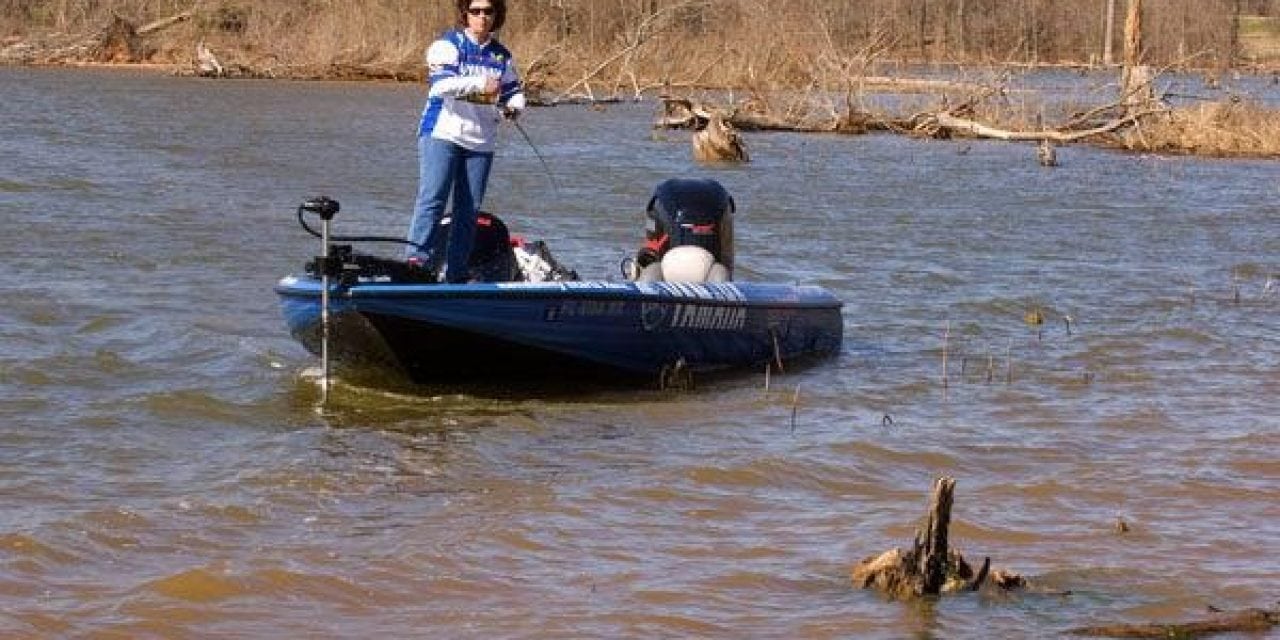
pixel 169 472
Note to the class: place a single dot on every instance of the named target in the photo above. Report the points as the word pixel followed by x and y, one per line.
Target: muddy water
pixel 165 472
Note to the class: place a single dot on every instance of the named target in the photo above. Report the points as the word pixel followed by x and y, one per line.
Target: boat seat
pixel 685 264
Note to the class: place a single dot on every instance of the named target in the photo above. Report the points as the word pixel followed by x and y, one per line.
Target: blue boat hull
pixel 590 330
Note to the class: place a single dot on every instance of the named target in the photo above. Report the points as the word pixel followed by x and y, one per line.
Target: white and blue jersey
pixel 457 109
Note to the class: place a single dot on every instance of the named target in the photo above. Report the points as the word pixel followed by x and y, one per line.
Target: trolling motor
pixel 345 264
pixel 323 206
pixel 326 208
pixel 496 256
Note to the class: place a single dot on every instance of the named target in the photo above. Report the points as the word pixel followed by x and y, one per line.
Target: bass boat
pixel 525 318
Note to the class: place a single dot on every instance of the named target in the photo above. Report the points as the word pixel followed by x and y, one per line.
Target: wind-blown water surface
pixel 165 471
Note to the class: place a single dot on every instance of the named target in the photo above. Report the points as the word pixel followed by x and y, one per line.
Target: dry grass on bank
pixel 375 39
pixel 1231 128
pixel 1228 128
pixel 382 39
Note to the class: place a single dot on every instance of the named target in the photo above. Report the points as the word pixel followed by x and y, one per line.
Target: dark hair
pixel 499 12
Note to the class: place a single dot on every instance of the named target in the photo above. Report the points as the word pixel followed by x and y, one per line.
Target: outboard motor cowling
pixel 689 212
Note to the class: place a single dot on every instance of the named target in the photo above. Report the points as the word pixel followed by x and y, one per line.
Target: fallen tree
pixel 1233 127
pixel 116 42
pixel 1139 119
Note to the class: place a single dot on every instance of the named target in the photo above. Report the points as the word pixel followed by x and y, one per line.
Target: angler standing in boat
pixel 474 85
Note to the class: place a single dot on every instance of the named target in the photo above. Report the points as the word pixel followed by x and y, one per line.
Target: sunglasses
pixel 480 11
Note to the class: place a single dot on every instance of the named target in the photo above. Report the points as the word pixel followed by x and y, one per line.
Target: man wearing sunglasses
pixel 473 85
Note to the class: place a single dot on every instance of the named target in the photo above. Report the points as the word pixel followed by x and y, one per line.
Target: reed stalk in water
pixel 795 407
pixel 946 337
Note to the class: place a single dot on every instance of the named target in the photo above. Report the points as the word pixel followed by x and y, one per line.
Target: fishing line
pixel 545 166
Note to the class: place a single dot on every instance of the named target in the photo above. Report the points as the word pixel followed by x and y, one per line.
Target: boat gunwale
pixel 547 291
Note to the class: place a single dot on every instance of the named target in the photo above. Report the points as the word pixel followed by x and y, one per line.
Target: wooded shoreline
pixel 792 87
pixel 607 45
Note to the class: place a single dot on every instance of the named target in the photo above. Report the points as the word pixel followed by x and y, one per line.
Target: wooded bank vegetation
pixel 804 65
pixel 710 43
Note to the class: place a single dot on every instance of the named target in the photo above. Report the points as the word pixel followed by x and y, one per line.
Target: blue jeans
pixel 444 167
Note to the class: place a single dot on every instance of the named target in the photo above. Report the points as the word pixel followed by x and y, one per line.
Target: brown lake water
pixel 165 473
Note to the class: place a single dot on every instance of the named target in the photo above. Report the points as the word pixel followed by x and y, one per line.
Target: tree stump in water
pixel 719 142
pixel 715 137
pixel 931 567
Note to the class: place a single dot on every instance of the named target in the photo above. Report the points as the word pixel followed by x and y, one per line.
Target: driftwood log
pixel 1252 621
pixel 684 113
pixel 930 567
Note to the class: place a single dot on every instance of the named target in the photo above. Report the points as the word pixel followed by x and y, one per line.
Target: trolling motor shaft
pixel 326 208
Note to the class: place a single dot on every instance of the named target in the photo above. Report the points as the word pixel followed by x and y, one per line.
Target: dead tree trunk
pixel 1233 45
pixel 923 30
pixel 1109 33
pixel 1135 78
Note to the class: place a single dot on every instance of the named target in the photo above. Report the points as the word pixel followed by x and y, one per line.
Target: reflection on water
pixel 167 472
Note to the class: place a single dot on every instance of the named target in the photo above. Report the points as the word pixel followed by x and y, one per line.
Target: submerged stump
pixel 719 142
pixel 930 567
